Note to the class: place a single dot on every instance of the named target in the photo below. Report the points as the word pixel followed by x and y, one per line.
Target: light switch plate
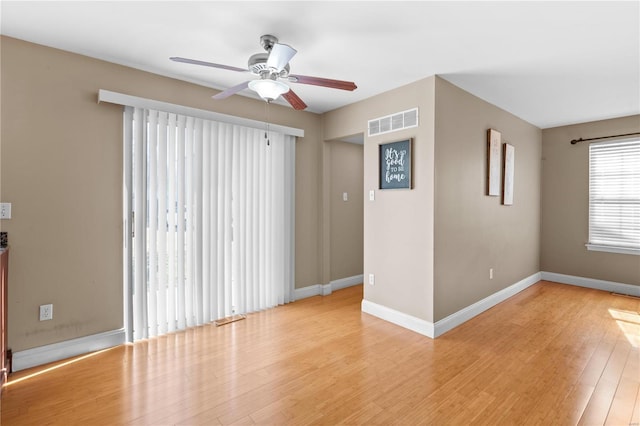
pixel 5 210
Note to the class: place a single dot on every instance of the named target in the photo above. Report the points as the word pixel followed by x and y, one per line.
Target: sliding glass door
pixel 209 220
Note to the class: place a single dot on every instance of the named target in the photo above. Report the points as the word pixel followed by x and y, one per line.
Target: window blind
pixel 614 194
pixel 213 209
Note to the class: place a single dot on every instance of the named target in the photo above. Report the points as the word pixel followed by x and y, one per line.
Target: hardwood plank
pixel 635 417
pixel 552 354
pixel 624 400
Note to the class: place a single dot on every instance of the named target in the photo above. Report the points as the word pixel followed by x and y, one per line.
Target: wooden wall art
pixel 508 174
pixel 494 139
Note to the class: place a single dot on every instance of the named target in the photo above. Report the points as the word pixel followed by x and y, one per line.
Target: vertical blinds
pixel 614 194
pixel 213 233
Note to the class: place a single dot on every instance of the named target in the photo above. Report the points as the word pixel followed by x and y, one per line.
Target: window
pixel 614 197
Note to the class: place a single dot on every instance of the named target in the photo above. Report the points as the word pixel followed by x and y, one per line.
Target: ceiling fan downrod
pixel 267 41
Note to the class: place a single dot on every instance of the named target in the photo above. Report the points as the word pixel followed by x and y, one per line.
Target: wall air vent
pixel 393 122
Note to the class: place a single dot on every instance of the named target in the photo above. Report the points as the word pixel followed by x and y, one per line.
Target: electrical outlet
pixel 345 196
pixel 490 273
pixel 372 279
pixel 46 312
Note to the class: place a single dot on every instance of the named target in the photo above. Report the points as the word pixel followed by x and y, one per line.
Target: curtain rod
pixel 575 141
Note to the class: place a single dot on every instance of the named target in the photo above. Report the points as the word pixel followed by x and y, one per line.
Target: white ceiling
pixel 550 63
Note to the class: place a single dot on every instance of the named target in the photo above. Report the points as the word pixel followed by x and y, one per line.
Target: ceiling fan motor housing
pixel 258 65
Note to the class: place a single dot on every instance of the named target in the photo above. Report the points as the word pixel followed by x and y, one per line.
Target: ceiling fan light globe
pixel 268 89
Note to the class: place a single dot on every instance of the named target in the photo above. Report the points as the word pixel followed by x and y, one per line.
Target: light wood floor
pixel 553 354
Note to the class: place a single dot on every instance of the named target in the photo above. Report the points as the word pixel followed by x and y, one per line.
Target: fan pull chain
pixel 266 111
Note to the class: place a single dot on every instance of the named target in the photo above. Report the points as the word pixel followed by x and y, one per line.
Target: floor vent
pixel 626 295
pixel 229 320
pixel 393 122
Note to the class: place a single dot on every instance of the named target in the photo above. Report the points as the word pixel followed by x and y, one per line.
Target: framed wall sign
pixel 395 165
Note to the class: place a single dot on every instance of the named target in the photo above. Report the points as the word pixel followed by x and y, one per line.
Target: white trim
pixel 479 307
pixel 82 345
pixel 432 330
pixel 69 348
pixel 346 282
pixel 134 101
pixel 612 249
pixel 611 286
pixel 308 291
pixel 407 321
pixel 327 289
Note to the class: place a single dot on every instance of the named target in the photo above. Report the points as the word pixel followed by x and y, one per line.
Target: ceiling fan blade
pixel 280 56
pixel 325 82
pixel 231 91
pixel 294 100
pixel 207 64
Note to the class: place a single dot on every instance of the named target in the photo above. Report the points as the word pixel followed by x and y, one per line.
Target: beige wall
pixel 398 225
pixel 431 248
pixel 62 170
pixel 475 232
pixel 346 221
pixel 565 205
pixel 61 167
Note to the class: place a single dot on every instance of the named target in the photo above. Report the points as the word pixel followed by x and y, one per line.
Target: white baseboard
pixel 326 289
pixel 432 330
pixel 309 291
pixel 69 348
pixel 82 345
pixel 611 286
pixel 346 282
pixel 399 318
pixel 479 307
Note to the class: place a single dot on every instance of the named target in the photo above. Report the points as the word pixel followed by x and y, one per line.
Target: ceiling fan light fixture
pixel 271 66
pixel 268 89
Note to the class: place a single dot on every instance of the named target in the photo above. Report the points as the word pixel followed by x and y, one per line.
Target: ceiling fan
pixel 272 67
